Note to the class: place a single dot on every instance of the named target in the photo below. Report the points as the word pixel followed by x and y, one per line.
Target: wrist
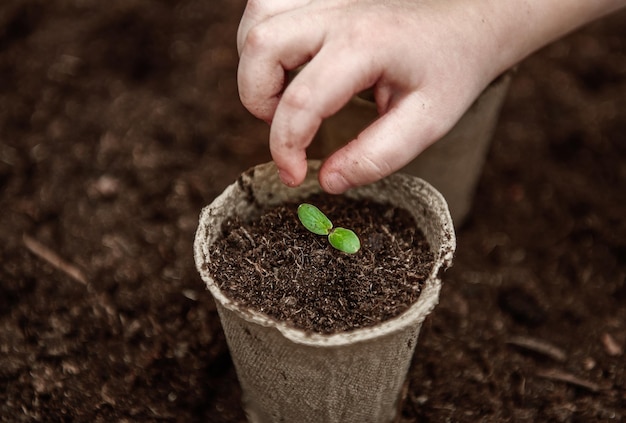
pixel 518 28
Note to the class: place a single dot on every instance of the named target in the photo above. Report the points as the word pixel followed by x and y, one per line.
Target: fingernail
pixel 335 183
pixel 286 178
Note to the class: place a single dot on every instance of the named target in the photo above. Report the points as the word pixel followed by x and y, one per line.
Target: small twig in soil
pixel 247 234
pixel 257 267
pixel 54 259
pixel 386 230
pixel 371 319
pixel 539 346
pixel 561 376
pixel 611 346
pixel 103 300
pixel 297 260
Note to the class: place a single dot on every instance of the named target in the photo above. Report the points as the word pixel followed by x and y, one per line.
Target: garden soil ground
pixel 120 120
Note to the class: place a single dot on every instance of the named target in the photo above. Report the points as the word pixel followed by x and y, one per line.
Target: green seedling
pixel 344 240
pixel 315 221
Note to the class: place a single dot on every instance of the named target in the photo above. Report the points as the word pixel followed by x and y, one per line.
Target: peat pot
pixel 288 375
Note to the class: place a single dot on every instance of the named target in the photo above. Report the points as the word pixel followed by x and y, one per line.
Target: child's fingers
pixel 259 10
pixel 323 87
pixel 272 47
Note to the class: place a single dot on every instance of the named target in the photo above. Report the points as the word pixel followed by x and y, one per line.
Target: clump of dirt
pixel 276 266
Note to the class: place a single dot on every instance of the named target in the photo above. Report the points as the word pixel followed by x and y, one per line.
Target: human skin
pixel 426 61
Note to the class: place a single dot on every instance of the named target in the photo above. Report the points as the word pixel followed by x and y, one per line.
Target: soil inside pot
pixel 276 266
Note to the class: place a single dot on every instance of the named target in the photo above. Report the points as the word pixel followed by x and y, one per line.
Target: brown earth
pixel 120 120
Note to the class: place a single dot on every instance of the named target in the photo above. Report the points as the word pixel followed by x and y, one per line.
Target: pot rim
pixel 413 316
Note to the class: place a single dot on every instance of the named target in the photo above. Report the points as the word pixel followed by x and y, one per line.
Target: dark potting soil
pixel 276 266
pixel 120 120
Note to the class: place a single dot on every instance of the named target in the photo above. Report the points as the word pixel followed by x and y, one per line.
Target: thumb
pixel 387 145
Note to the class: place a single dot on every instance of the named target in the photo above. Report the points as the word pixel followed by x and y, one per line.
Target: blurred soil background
pixel 120 120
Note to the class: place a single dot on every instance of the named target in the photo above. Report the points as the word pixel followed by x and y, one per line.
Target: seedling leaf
pixel 344 240
pixel 313 219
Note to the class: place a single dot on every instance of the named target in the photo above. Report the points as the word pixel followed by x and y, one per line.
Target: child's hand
pixel 427 61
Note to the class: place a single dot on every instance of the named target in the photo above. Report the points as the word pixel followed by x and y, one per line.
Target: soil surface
pixel 274 265
pixel 120 120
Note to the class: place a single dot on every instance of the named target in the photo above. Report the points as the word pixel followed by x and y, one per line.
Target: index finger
pixel 323 87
